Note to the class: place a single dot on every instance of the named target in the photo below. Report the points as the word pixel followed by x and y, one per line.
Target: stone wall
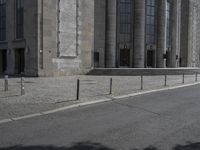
pixel 69 50
pixel 47 31
pixel 67 28
pixel 194 31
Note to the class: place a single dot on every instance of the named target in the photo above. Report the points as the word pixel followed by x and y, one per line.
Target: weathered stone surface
pixel 67 28
pixel 61 36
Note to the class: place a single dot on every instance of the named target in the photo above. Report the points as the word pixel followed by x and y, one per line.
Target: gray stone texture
pixel 100 31
pixel 61 36
pixel 184 33
pixel 67 28
pixel 194 30
pixel 111 35
pixel 161 43
pixel 175 51
pixel 139 32
pixel 43 94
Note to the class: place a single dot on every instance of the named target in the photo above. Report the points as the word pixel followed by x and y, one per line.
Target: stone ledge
pixel 142 71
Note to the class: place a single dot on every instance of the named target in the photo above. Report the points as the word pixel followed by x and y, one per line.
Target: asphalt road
pixel 168 120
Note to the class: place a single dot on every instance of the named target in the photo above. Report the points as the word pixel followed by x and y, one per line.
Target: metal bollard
pixel 111 83
pixel 196 77
pixel 78 89
pixel 6 83
pixel 165 80
pixel 22 86
pixel 183 81
pixel 142 86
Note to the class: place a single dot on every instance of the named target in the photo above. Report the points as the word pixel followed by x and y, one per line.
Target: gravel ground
pixel 44 94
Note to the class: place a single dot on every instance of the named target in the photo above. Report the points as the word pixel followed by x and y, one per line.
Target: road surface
pixel 168 120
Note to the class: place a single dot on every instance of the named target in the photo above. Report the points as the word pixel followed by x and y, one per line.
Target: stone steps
pixel 142 71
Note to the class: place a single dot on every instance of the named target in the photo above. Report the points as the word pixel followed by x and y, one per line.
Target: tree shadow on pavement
pixel 96 146
pixel 188 146
pixel 77 146
pixel 148 148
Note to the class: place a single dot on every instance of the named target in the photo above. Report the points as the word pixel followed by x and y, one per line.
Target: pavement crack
pixel 140 108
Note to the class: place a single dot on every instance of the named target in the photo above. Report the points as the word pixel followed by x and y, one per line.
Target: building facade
pixel 64 37
pixel 147 33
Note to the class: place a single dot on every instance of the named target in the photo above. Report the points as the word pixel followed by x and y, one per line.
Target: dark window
pixel 19 19
pixel 125 16
pixel 151 21
pixel 169 24
pixel 2 20
pixel 19 61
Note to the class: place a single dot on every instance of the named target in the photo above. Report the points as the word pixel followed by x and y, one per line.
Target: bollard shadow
pixel 10 96
pixel 66 101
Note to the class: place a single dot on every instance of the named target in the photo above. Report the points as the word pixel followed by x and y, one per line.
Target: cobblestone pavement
pixel 43 94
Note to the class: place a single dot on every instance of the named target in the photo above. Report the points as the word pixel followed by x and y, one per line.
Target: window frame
pixel 169 24
pixel 151 22
pixel 19 21
pixel 2 20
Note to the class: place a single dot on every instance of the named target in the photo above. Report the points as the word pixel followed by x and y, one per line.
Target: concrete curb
pixel 94 102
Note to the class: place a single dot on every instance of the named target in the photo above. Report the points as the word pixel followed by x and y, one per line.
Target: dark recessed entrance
pixel 96 59
pixel 3 61
pixel 19 60
pixel 125 58
pixel 150 58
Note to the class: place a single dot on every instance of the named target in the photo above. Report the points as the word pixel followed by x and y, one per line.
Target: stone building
pixel 62 37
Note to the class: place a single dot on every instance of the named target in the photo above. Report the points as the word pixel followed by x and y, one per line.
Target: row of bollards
pixel 21 83
pixel 6 87
pixel 78 88
pixel 141 84
pixel 165 80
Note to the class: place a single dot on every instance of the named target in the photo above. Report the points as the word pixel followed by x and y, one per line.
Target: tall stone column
pixel 184 41
pixel 100 31
pixel 111 34
pixel 161 43
pixel 139 34
pixel 175 32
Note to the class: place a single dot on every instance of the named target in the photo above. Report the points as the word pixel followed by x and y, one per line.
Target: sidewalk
pixel 43 94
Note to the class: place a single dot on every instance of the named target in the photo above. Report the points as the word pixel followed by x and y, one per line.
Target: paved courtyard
pixel 43 94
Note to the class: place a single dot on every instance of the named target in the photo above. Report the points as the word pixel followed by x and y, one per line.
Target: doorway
pixel 125 58
pixel 3 61
pixel 151 58
pixel 19 60
pixel 96 59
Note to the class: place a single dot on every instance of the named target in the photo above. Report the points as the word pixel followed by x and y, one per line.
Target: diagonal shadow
pixel 188 146
pixel 10 96
pixel 96 146
pixel 76 146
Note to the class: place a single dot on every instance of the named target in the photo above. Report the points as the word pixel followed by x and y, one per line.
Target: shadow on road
pixel 77 146
pixel 96 146
pixel 188 146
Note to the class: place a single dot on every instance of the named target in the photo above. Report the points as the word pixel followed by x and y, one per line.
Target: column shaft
pixel 139 34
pixel 175 33
pixel 111 33
pixel 161 43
